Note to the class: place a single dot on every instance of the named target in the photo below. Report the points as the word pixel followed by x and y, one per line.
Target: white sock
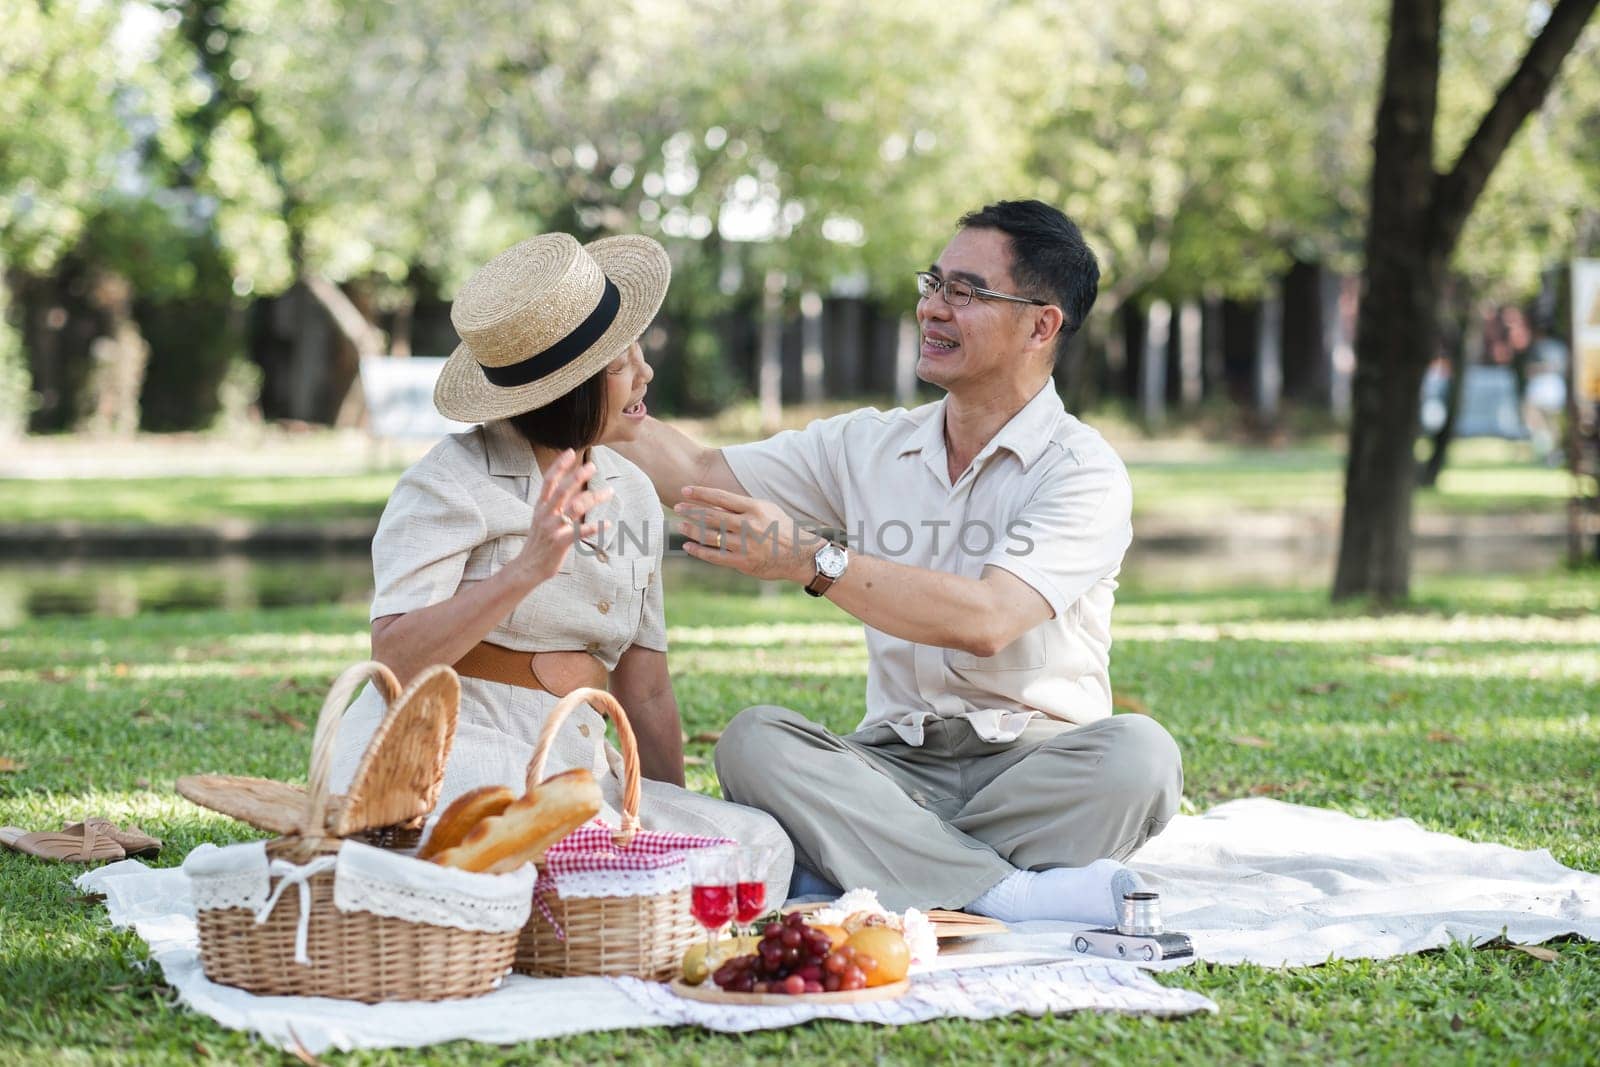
pixel 1091 894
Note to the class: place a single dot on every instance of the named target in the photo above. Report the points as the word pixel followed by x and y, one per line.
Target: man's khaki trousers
pixel 937 825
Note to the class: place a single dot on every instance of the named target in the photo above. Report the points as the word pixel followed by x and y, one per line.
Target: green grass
pixel 1473 713
pixel 195 501
pixel 1178 478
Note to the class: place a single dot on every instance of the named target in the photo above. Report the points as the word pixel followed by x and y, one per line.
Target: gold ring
pixel 717 544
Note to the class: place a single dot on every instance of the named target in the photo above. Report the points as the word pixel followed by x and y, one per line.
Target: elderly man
pixel 984 534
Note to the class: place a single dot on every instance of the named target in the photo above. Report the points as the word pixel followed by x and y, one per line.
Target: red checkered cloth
pixel 591 850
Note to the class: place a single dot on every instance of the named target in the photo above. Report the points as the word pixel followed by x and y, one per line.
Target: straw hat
pixel 544 316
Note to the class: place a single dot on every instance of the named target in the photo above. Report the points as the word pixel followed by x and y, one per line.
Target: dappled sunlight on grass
pixel 1472 715
pixel 1489 729
pixel 777 635
pixel 106 673
pixel 800 663
pixel 1575 663
pixel 1372 629
pixel 358 645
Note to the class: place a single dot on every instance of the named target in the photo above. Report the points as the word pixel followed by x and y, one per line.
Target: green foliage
pixel 16 389
pixel 1201 145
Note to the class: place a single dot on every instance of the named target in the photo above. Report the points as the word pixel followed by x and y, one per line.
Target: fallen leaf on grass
pixel 1250 741
pixel 1467 783
pixel 54 674
pixel 707 737
pixel 1456 1023
pixel 1273 789
pixel 1321 688
pixel 1539 952
pixel 300 1051
pixel 142 783
pixel 1445 737
pixel 201 1051
pixel 1133 704
pixel 11 766
pixel 297 725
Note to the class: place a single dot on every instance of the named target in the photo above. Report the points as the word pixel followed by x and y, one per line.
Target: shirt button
pixel 593 647
pixel 600 554
pixel 604 606
pixel 583 728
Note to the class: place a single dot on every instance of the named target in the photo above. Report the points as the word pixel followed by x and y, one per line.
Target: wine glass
pixel 713 876
pixel 750 893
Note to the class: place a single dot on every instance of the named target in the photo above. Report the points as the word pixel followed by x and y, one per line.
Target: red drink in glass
pixel 752 896
pixel 711 905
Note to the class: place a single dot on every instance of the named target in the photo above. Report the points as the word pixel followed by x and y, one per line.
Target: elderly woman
pixel 528 554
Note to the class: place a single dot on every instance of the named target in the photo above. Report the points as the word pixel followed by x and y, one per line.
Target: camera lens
pixel 1141 915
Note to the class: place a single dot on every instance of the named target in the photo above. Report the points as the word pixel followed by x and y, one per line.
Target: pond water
pixel 116 589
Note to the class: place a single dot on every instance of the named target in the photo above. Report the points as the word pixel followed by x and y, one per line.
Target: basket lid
pixel 397 781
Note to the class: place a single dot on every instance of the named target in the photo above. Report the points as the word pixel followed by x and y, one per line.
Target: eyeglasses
pixel 959 294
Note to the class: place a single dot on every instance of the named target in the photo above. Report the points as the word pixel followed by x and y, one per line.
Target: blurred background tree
pixel 195 192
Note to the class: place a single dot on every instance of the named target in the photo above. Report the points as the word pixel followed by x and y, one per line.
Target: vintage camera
pixel 1138 936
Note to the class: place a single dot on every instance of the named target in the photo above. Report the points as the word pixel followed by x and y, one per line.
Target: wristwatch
pixel 831 560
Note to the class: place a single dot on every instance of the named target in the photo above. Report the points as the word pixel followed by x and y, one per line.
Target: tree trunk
pixel 770 381
pixel 1305 352
pixel 1397 334
pixel 1415 219
pixel 1457 339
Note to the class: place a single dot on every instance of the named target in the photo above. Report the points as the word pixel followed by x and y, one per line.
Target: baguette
pixel 465 812
pixel 527 827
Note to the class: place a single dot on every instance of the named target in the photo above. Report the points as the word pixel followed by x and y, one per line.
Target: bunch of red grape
pixel 794 958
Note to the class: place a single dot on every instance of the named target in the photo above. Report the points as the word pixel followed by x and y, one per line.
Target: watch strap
pixel 819 585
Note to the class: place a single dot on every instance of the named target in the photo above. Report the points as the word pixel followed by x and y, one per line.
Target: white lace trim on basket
pixel 387 883
pixel 231 877
pixel 364 879
pixel 621 883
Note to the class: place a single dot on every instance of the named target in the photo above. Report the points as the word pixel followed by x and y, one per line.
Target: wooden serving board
pixel 708 992
pixel 947 925
pixel 952 924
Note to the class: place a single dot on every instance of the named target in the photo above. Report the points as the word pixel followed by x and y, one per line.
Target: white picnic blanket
pixel 1283 885
pixel 1252 880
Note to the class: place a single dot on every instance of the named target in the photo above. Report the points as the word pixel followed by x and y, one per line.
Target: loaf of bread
pixel 528 826
pixel 465 812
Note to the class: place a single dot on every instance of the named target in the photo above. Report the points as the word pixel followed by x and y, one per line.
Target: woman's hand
pixel 559 517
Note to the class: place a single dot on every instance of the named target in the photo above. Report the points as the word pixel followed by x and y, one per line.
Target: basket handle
pixel 338 701
pixel 607 706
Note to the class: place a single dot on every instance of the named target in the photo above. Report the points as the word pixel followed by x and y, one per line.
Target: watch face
pixel 831 560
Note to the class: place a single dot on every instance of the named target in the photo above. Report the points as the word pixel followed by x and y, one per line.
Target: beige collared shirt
pixel 1046 499
pixel 462 512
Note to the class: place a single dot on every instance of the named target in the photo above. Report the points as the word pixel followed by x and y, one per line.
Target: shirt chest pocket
pixel 643 573
pixel 510 546
pixel 1026 653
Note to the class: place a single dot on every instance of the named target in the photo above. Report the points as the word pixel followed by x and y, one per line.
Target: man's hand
pixel 754 537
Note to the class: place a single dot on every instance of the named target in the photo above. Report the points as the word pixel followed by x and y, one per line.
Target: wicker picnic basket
pixel 640 934
pixel 315 914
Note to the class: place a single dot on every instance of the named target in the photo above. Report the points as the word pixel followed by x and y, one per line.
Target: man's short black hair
pixel 1050 259
pixel 573 420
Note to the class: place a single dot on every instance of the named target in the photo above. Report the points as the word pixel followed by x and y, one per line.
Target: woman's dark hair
pixel 572 420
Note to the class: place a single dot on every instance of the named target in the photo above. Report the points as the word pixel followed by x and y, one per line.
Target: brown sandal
pixel 134 841
pixel 89 846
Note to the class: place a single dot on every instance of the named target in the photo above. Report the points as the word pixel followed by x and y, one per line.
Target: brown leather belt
pixel 558 673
